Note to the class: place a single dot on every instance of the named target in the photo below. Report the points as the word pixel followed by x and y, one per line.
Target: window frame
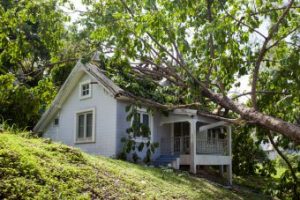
pixel 141 138
pixel 89 95
pixel 54 124
pixel 85 139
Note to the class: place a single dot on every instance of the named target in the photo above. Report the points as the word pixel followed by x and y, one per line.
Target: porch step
pixel 164 160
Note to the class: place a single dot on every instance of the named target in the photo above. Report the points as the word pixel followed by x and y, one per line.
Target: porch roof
pixel 188 115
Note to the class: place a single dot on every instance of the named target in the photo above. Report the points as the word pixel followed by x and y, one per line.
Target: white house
pixel 89 113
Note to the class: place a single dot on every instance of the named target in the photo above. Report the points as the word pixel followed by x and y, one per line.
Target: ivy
pixel 138 138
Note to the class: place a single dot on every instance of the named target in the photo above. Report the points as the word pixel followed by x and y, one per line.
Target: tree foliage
pixel 248 157
pixel 21 105
pixel 30 35
pixel 205 45
pixel 31 39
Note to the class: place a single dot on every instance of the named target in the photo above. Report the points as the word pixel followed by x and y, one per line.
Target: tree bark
pixel 290 130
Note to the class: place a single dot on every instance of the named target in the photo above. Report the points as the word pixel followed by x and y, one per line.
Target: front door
pixel 181 135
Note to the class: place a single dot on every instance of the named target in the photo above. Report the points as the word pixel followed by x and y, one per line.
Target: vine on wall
pixel 138 138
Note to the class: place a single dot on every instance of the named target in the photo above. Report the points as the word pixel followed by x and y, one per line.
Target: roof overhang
pixel 78 71
pixel 185 115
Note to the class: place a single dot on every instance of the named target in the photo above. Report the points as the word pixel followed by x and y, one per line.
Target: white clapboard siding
pixel 105 120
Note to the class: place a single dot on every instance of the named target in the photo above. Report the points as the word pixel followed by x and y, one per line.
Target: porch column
pixel 229 167
pixel 229 174
pixel 221 169
pixel 229 140
pixel 193 146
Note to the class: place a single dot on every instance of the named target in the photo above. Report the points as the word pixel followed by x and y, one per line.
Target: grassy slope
pixel 38 168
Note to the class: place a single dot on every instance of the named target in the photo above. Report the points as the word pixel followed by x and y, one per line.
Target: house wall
pixel 52 131
pixel 105 120
pixel 165 139
pixel 162 135
pixel 122 124
pixel 157 129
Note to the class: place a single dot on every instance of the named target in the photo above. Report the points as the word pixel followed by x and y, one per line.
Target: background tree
pixel 248 157
pixel 33 37
pixel 31 33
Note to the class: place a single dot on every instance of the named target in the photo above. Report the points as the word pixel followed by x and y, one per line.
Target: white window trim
pixel 90 89
pixel 93 140
pixel 144 139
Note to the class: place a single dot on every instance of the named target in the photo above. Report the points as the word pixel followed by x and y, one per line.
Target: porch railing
pixel 215 146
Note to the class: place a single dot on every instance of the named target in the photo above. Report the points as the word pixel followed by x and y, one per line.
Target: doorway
pixel 181 134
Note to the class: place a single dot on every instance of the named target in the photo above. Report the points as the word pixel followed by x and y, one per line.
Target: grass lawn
pixel 40 169
pixel 254 183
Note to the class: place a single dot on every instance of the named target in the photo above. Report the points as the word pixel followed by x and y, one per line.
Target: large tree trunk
pixel 290 130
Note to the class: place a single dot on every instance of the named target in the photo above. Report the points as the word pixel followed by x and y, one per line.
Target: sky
pixel 244 80
pixel 74 14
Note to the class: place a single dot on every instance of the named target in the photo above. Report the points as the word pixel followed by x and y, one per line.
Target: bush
pixel 247 155
pixel 21 106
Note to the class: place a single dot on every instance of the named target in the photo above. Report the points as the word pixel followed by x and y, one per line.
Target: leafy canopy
pixel 30 36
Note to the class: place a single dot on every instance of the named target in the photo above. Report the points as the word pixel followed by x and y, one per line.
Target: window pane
pixel 185 128
pixel 56 121
pixel 145 119
pixel 80 131
pixel 177 129
pixel 85 89
pixel 89 125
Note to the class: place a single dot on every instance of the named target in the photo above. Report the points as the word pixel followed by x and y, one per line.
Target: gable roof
pixel 70 83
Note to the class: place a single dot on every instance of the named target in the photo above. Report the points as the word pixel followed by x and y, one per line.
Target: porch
pixel 197 141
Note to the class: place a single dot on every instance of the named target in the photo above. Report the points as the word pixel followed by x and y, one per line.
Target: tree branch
pixel 237 121
pixel 261 92
pixel 263 52
pixel 283 37
pixel 210 42
pixel 272 10
pixel 240 21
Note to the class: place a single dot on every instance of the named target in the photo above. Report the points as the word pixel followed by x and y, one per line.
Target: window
pixel 85 126
pixel 85 90
pixel 143 118
pixel 56 122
